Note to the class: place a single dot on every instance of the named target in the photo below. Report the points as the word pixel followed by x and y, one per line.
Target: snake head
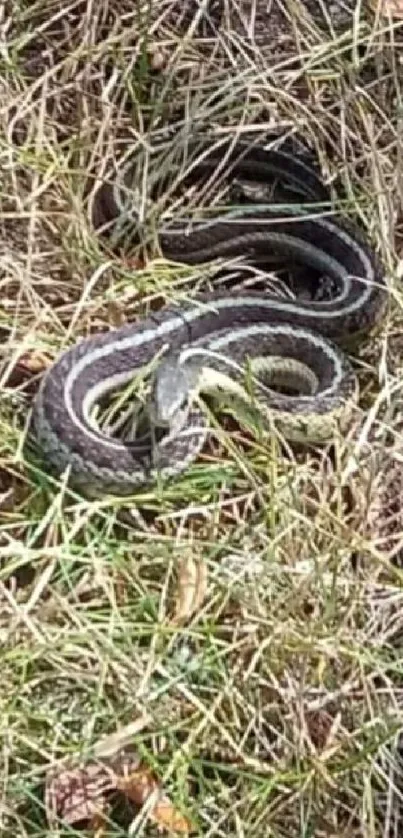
pixel 174 385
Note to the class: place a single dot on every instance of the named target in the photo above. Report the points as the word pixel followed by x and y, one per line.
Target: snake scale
pixel 210 341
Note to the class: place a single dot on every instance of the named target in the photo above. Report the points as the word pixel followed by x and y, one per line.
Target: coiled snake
pixel 294 342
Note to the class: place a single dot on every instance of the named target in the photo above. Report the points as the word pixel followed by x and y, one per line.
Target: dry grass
pixel 277 709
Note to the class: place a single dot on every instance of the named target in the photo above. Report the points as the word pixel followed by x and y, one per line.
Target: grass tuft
pixel 276 709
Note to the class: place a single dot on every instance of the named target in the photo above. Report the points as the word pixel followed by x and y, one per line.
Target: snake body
pixel 219 332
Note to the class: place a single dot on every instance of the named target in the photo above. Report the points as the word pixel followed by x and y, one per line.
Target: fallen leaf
pixel 35 361
pixel 134 263
pixel 80 795
pixel 75 794
pixel 191 590
pixel 139 786
pixel 166 816
pixel 27 366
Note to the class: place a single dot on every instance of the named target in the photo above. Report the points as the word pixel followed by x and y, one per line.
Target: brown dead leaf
pixel 191 590
pixel 138 786
pixel 27 366
pixel 134 263
pixel 81 794
pixel 35 361
pixel 166 816
pixel 76 794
